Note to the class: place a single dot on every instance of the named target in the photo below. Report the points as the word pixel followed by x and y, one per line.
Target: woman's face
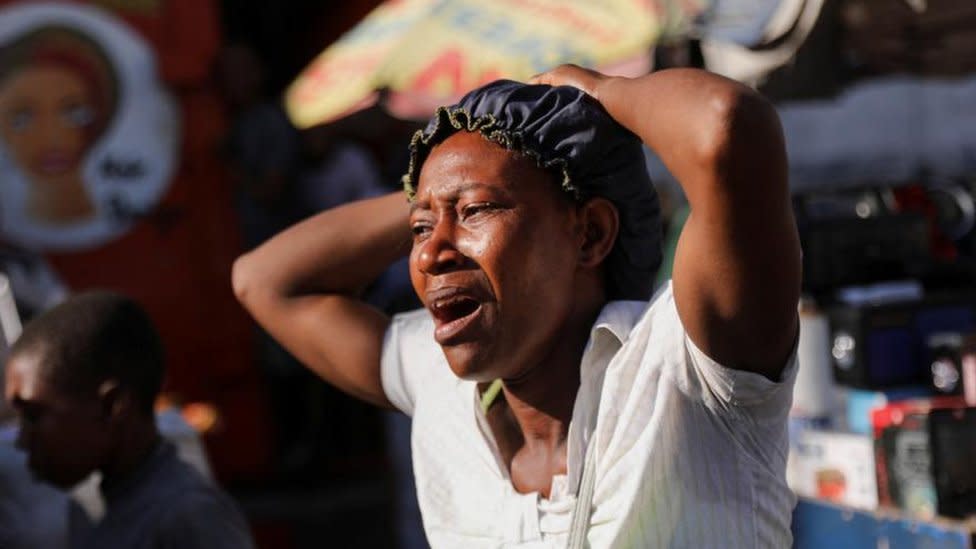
pixel 45 112
pixel 495 254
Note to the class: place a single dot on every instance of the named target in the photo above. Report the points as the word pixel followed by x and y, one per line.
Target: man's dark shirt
pixel 164 504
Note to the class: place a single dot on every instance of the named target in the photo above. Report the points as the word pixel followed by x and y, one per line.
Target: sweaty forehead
pixel 467 157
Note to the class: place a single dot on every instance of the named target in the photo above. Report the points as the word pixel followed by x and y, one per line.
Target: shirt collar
pixel 609 333
pixel 617 319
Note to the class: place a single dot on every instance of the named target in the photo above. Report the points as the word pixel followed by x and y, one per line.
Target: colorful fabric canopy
pixel 428 53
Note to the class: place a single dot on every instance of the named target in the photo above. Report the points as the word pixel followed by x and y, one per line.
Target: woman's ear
pixel 600 223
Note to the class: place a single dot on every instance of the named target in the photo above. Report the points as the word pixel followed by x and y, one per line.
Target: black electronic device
pixel 881 346
pixel 952 439
pixel 859 237
pixel 944 350
pixel 905 478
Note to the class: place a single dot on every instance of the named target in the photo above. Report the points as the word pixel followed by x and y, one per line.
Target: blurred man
pixel 83 379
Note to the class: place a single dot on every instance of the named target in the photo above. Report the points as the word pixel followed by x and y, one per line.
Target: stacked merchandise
pixel 884 412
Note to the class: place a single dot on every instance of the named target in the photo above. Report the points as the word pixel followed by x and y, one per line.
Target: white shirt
pixel 688 453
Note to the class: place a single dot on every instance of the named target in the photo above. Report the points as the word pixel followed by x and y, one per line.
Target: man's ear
pixel 600 223
pixel 115 403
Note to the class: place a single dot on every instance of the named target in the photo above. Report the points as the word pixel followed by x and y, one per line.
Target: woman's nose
pixel 438 254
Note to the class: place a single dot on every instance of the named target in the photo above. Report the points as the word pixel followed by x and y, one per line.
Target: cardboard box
pixel 834 466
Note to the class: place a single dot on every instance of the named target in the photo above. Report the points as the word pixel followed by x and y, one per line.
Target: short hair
pixel 93 337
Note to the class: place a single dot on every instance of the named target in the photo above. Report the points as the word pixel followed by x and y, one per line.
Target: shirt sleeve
pixel 719 387
pixel 409 354
pixel 752 408
pixel 747 391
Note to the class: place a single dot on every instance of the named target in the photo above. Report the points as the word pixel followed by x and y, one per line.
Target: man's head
pixel 530 205
pixel 80 376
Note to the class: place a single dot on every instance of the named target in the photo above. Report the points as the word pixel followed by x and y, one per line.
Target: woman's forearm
pixel 737 264
pixel 338 251
pixel 696 122
pixel 302 287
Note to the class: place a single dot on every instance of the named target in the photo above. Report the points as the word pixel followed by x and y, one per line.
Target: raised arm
pixel 302 287
pixel 737 266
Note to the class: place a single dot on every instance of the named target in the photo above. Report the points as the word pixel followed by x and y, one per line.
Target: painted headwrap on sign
pixel 564 130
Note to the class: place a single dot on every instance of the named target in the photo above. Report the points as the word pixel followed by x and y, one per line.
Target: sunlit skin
pixel 479 210
pixel 512 271
pixel 64 435
pixel 45 114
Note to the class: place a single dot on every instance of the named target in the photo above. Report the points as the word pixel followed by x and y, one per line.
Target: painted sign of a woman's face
pixel 89 134
pixel 57 95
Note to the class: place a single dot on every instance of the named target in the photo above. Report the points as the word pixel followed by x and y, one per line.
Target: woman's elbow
pixel 242 277
pixel 737 119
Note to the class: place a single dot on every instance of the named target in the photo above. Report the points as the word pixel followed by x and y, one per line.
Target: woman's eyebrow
pixel 455 192
pixel 476 185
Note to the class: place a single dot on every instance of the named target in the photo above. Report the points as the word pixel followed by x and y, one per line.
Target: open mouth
pixel 452 314
pixel 453 308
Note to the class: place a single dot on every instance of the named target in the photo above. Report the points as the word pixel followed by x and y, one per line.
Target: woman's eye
pixel 21 119
pixel 78 116
pixel 420 230
pixel 476 208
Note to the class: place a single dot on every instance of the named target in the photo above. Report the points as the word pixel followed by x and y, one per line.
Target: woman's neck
pixel 541 400
pixel 531 423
